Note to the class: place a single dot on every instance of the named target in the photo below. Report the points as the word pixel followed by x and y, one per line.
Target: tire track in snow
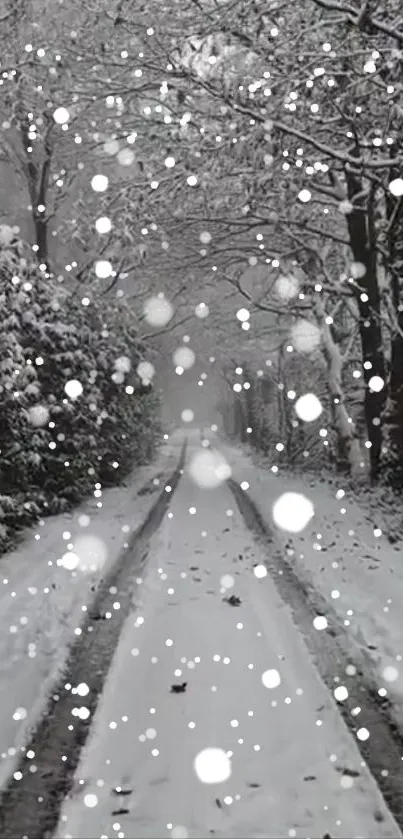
pixel 31 801
pixel 332 651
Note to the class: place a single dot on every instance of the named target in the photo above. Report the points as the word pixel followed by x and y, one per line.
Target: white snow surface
pixel 345 554
pixel 287 744
pixel 41 603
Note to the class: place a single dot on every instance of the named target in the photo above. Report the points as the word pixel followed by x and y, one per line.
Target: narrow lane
pixel 294 769
pixel 30 801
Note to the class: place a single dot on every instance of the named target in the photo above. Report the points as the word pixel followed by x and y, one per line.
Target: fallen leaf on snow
pixel 232 600
pixel 352 773
pixel 179 688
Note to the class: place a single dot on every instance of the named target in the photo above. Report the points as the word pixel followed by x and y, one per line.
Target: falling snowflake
pixel 390 673
pixel 212 766
pixel 187 415
pixel 271 679
pixel 243 315
pixel 38 415
pixel 69 561
pixel 376 384
pixel 91 552
pixel 287 287
pixel 103 269
pixel 320 622
pixel 306 336
pixel 227 581
pixel 341 693
pixel 184 357
pixel 304 196
pixel 158 311
pixel 125 157
pixel 90 800
pixel 209 469
pixel 61 116
pixel 357 270
pixel 396 187
pixel 292 512
pixel 123 364
pixel 202 310
pixel 145 370
pixel 100 183
pixel 20 714
pixel 73 389
pixel 370 67
pixel 111 147
pixel 103 225
pixel 308 407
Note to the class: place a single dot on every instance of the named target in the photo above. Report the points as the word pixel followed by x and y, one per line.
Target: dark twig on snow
pixel 179 688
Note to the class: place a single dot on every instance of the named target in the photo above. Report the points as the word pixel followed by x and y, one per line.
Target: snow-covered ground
pixel 286 766
pixel 42 603
pixel 346 556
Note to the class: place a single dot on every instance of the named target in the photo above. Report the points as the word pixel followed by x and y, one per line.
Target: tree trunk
pixel 393 417
pixel 362 243
pixel 334 363
pixel 41 238
pixel 38 176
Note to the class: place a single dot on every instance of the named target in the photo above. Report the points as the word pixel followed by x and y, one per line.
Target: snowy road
pixel 295 770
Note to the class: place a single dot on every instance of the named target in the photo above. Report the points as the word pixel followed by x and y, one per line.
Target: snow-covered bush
pixel 72 409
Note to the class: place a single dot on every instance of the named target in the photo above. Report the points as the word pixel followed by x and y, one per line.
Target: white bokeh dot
pixel 73 388
pixel 390 673
pixel 187 415
pixel 376 384
pixel 61 116
pixel 271 679
pixel 340 693
pixel 208 469
pixel 260 571
pixel 184 357
pixel 308 407
pixel 227 581
pixel 292 512
pixel 99 183
pixel 320 622
pixel 212 766
pixel 158 311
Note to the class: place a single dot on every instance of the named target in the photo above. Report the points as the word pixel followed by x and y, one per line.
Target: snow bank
pixel 42 603
pixel 345 555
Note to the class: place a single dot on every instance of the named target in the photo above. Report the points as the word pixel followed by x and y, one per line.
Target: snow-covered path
pixel 42 603
pixel 295 768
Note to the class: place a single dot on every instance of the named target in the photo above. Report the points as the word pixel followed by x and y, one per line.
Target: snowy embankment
pixel 213 720
pixel 346 557
pixel 42 603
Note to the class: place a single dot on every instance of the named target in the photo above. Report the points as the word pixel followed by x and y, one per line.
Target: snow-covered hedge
pixel 73 412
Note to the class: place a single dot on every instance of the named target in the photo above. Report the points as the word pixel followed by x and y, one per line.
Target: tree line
pixel 225 149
